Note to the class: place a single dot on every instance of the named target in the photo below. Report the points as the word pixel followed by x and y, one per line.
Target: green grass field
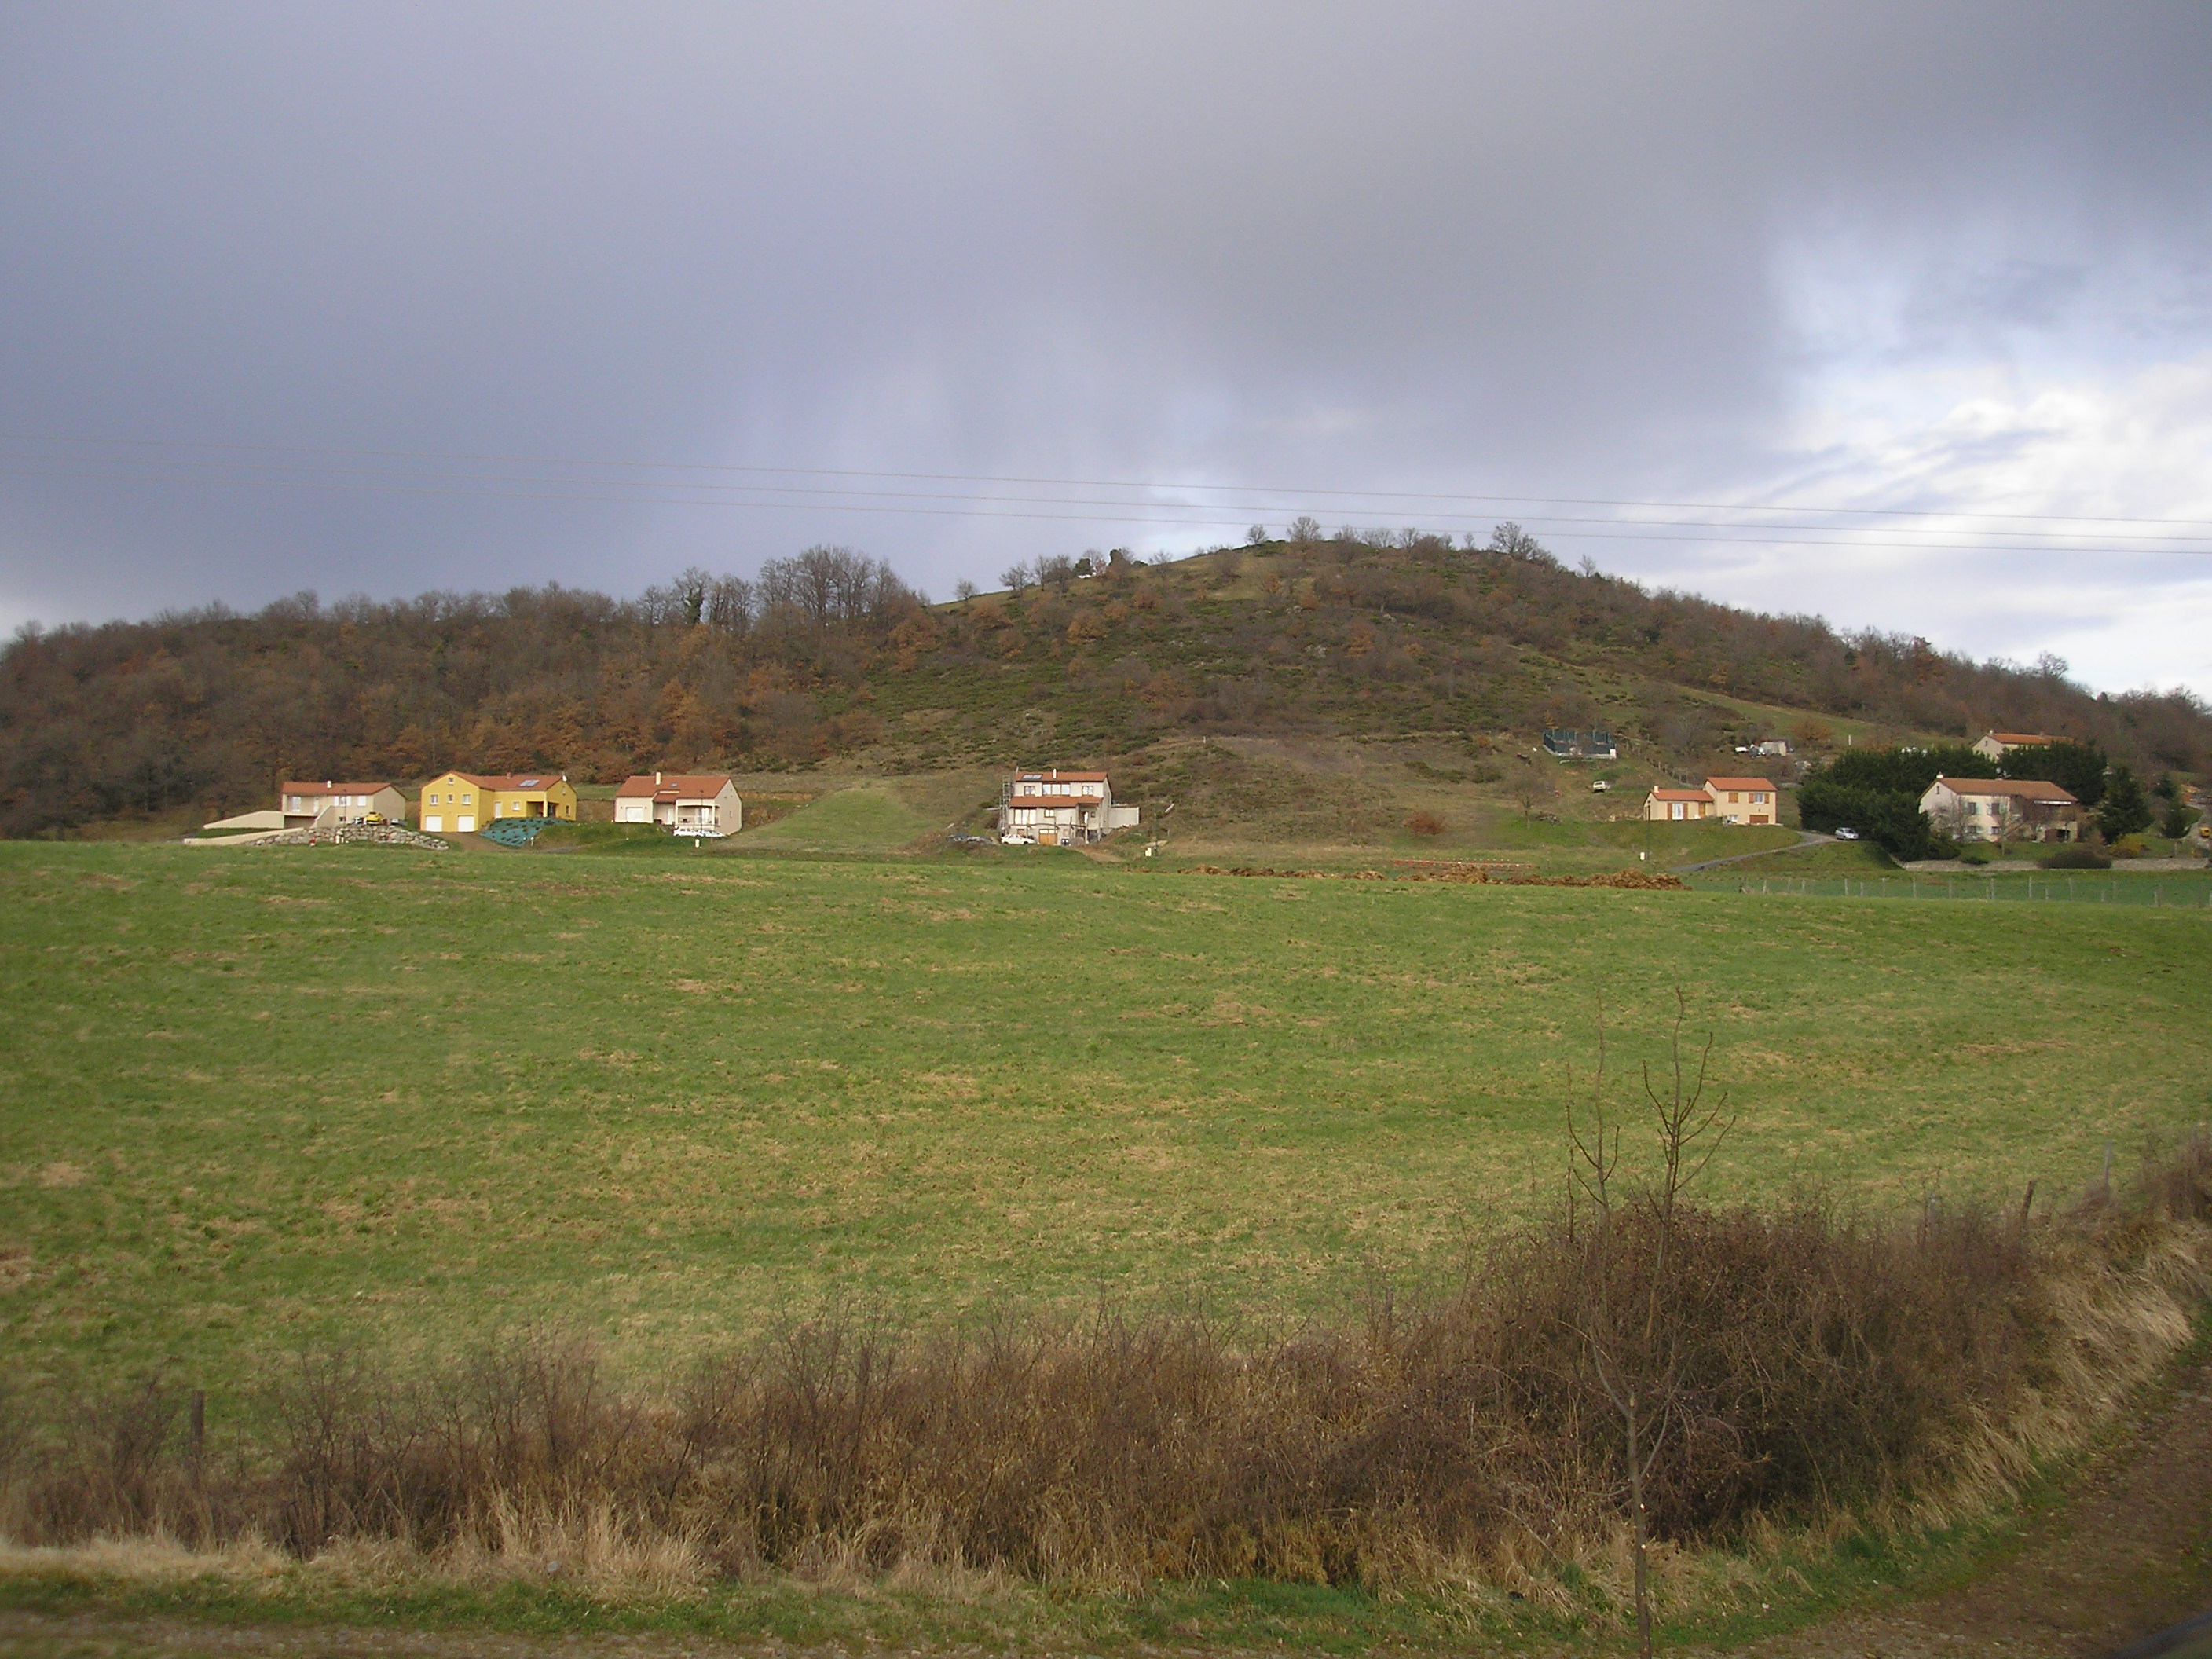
pixel 258 1098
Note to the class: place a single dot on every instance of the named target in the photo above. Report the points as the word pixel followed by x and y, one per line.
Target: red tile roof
pixel 702 785
pixel 1740 784
pixel 327 788
pixel 2034 789
pixel 1681 795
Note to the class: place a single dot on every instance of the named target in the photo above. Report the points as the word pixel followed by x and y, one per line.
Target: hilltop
pixel 1277 653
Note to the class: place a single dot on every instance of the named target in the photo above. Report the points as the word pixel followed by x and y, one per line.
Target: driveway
pixel 1805 838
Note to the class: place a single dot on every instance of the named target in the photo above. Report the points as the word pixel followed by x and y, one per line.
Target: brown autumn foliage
pixel 1391 633
pixel 1818 1366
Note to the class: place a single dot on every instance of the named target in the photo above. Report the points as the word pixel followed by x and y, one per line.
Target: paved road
pixel 1805 838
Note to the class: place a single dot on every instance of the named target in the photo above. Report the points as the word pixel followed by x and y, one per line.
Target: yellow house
pixel 461 803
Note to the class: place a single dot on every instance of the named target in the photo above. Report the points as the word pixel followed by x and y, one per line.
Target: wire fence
pixel 2179 892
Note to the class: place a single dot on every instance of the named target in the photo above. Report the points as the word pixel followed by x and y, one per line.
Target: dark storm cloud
pixel 1600 249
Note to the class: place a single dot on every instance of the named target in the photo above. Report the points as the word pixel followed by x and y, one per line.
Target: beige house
pixel 319 805
pixel 461 803
pixel 1060 809
pixel 1745 800
pixel 1997 744
pixel 686 803
pixel 1677 805
pixel 2003 809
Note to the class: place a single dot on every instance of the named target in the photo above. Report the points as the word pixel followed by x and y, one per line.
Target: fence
pixel 2185 893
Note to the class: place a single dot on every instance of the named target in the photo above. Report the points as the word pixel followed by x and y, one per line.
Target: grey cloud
pixel 1410 247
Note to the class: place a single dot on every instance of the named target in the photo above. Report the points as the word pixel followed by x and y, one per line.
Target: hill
pixel 828 658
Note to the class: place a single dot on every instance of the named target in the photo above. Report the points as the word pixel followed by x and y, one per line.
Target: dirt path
pixel 2127 1553
pixel 1805 838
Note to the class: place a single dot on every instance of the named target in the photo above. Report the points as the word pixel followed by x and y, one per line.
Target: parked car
pixel 1847 835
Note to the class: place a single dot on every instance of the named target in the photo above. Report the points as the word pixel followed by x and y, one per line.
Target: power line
pixel 1096 483
pixel 1740 536
pixel 573 488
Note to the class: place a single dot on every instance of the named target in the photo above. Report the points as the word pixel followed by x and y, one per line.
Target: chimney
pixel 656 780
pixel 326 783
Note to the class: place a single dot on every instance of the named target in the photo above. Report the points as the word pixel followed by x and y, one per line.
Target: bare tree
pixel 1636 1350
pixel 964 590
pixel 1304 532
pixel 1256 536
pixel 1531 787
pixel 1016 578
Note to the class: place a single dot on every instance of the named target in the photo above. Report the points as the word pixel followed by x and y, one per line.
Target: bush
pixel 2076 858
pixel 1821 1365
pixel 1426 823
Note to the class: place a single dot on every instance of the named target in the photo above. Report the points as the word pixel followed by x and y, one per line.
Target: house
pixel 686 803
pixel 1744 800
pixel 1677 805
pixel 1060 809
pixel 1996 745
pixel 2003 809
pixel 1568 744
pixel 316 805
pixel 459 802
pixel 1774 746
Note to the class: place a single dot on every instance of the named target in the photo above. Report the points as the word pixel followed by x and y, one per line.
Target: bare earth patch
pixel 2127 1553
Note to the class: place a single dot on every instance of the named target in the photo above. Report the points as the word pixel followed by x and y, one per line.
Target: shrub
pixel 1822 1365
pixel 1426 823
pixel 2077 858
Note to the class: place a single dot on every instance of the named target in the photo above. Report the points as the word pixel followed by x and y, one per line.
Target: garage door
pixel 465 825
pixel 432 825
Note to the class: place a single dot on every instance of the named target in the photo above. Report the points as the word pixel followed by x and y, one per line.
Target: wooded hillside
pixel 830 652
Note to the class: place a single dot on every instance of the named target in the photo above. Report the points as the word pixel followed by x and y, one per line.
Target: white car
pixel 1847 835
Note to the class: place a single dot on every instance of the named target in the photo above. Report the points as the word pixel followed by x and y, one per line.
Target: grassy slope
pixel 262 1096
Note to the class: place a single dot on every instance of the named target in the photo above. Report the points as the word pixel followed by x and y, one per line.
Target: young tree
pixel 1256 536
pixel 964 591
pixel 1016 578
pixel 1531 787
pixel 1634 1341
pixel 2124 810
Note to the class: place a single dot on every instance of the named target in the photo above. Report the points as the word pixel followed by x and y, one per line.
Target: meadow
pixel 261 1099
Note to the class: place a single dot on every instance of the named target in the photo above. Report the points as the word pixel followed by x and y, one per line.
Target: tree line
pixel 830 651
pixel 1878 792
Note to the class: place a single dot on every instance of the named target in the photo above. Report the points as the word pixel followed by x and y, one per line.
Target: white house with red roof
pixel 318 805
pixel 2003 809
pixel 1997 744
pixel 1055 808
pixel 1664 806
pixel 684 803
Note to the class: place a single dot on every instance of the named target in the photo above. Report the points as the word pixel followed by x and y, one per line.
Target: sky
pixel 1900 313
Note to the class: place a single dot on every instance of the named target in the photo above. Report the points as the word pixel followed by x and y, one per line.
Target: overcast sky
pixel 383 298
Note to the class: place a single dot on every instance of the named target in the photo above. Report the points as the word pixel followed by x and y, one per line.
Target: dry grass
pixel 1831 1375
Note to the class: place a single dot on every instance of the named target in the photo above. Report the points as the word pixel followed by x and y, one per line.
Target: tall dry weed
pixel 1829 1369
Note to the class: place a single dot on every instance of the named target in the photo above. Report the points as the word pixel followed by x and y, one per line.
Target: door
pixel 465 825
pixel 433 824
